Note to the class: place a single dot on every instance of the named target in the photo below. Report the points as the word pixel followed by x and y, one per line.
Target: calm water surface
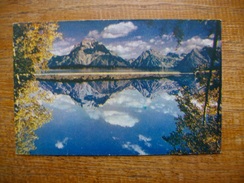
pixel 126 117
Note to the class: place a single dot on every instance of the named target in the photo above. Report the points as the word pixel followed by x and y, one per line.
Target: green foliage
pixel 199 129
pixel 192 135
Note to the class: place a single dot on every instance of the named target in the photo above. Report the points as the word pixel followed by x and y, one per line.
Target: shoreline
pixel 105 75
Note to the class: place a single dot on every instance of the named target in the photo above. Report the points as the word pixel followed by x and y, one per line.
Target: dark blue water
pixel 109 117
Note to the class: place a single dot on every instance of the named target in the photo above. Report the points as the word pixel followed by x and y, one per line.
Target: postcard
pixel 117 87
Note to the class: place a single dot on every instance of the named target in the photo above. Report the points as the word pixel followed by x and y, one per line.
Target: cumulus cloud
pixel 129 98
pixel 134 147
pixel 133 100
pixel 94 34
pixel 123 108
pixel 120 118
pixel 63 46
pixel 129 49
pixel 121 29
pixel 118 115
pixel 63 102
pixel 61 144
pixel 118 30
pixel 94 113
pixel 188 45
pixel 113 117
pixel 194 42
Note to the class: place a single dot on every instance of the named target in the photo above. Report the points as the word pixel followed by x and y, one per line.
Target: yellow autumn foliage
pixel 30 115
pixel 32 45
pixel 36 42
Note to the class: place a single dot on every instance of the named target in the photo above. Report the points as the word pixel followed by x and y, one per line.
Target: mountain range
pixel 90 53
pixel 96 93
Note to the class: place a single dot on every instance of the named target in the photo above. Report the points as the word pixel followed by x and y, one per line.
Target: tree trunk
pixel 213 58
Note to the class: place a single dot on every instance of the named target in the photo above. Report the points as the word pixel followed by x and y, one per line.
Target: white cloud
pixel 162 42
pixel 93 113
pixel 157 41
pixel 197 41
pixel 138 37
pixel 93 34
pixel 115 138
pixel 129 98
pixel 146 140
pixel 167 37
pixel 168 97
pixel 119 108
pixel 129 49
pixel 120 118
pixel 188 45
pixel 194 42
pixel 134 100
pixel 165 104
pixel 63 102
pixel 134 147
pixel 120 50
pixel 62 51
pixel 118 30
pixel 152 40
pixel 61 144
pixel 63 46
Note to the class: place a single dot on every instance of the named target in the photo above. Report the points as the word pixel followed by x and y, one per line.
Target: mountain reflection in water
pixel 123 117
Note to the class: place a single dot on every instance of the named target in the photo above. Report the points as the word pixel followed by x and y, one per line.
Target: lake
pixel 123 117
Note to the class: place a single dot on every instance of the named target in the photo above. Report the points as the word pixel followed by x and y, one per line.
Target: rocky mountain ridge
pixel 96 93
pixel 90 53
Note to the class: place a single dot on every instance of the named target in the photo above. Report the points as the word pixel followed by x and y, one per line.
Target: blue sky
pixel 129 38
